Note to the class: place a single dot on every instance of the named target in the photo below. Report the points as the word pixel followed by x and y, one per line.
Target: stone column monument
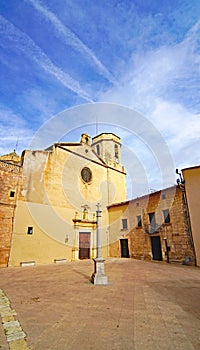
pixel 99 277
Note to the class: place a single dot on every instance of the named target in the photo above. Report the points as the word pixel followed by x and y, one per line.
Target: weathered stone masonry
pixel 175 233
pixel 9 180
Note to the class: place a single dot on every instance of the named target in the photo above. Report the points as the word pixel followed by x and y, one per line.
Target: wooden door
pixel 84 245
pixel 124 248
pixel 156 248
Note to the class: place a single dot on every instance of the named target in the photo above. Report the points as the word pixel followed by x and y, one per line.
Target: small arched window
pixel 116 153
pixel 98 150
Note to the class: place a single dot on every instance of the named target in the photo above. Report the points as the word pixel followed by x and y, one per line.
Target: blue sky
pixel 144 55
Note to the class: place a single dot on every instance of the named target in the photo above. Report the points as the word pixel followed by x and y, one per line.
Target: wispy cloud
pixel 73 40
pixel 159 72
pixel 153 50
pixel 13 131
pixel 181 128
pixel 40 103
pixel 163 84
pixel 24 43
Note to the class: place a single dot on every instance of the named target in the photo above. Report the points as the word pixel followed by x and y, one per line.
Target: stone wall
pixel 9 182
pixel 174 234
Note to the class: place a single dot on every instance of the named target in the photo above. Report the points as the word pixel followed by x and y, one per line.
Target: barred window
pixel 166 216
pixel 124 224
pixel 139 221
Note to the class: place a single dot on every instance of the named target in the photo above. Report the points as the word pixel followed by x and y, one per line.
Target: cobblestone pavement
pixel 146 306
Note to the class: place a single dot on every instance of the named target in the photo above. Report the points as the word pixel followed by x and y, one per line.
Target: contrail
pixel 73 40
pixel 28 47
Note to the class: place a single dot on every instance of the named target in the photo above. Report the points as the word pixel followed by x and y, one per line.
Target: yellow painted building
pixel 192 188
pixel 55 218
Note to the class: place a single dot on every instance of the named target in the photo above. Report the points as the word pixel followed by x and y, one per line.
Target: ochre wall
pixel 48 239
pixel 116 213
pixel 52 193
pixel 192 186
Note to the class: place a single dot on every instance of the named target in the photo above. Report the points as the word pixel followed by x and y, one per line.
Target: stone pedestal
pixel 99 277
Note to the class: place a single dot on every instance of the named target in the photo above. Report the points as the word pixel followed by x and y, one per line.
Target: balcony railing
pixel 150 229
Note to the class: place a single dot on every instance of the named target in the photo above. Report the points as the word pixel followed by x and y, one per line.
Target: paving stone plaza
pixel 146 305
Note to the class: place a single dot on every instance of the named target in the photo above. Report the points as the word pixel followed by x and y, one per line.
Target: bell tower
pixel 108 148
pixel 85 138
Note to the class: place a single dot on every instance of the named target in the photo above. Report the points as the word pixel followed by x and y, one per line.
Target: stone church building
pixel 49 200
pixel 57 194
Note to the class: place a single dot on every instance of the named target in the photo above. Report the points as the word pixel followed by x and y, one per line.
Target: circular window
pixel 86 174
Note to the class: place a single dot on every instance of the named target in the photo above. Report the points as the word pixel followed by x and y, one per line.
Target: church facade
pixel 55 217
